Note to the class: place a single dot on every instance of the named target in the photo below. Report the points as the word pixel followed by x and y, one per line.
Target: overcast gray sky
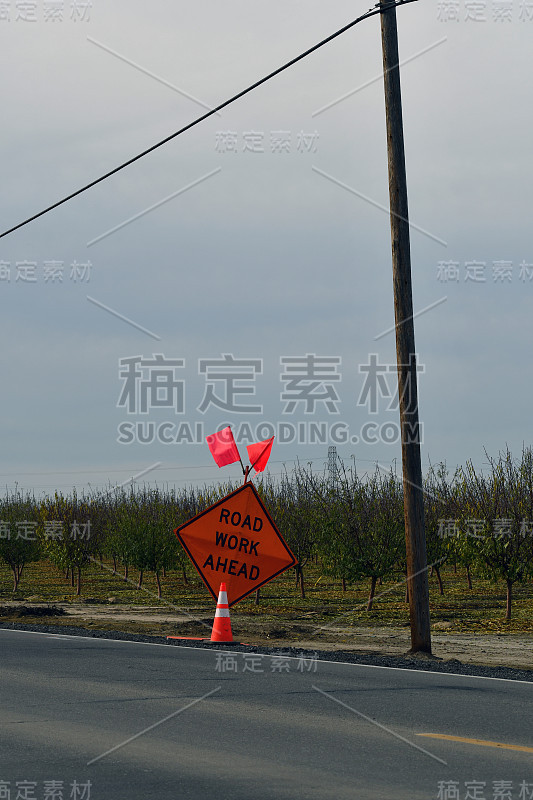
pixel 273 241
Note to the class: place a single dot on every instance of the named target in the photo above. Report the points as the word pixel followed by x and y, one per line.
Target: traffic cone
pixel 222 626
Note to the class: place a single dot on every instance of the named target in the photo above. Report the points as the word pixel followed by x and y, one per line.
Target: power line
pixel 170 468
pixel 378 9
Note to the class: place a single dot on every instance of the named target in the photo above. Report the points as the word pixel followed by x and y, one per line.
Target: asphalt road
pixel 152 721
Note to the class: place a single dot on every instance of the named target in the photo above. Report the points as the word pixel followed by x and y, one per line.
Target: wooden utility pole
pixel 415 537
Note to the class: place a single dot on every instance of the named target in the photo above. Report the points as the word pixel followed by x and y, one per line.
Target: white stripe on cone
pixel 222 598
pixel 222 612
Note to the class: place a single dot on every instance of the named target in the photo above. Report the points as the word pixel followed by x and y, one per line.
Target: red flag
pixel 260 453
pixel 223 447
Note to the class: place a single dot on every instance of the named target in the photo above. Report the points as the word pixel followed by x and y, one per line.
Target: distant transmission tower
pixel 332 464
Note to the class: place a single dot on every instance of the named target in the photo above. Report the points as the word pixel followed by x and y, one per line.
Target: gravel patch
pixel 31 611
pixel 410 662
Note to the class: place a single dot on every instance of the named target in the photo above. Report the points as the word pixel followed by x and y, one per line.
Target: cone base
pixel 222 630
pixel 206 641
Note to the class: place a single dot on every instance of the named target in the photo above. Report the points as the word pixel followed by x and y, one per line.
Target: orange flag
pixel 260 453
pixel 223 447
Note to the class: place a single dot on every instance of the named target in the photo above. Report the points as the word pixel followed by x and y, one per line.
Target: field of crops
pixel 346 532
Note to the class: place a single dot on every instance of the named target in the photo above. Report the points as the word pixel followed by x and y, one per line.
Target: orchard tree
pixel 364 531
pixel 19 543
pixel 496 519
pixel 440 505
pixel 67 534
pixel 155 547
pixel 296 508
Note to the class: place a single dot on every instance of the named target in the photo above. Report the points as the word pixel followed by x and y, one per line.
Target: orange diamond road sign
pixel 236 542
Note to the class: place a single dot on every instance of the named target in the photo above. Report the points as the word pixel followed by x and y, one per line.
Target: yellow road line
pixel 482 742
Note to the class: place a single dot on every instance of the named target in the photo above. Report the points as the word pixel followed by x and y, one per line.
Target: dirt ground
pixel 505 650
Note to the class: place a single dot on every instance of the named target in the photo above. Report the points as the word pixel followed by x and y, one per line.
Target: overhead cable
pixel 378 9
